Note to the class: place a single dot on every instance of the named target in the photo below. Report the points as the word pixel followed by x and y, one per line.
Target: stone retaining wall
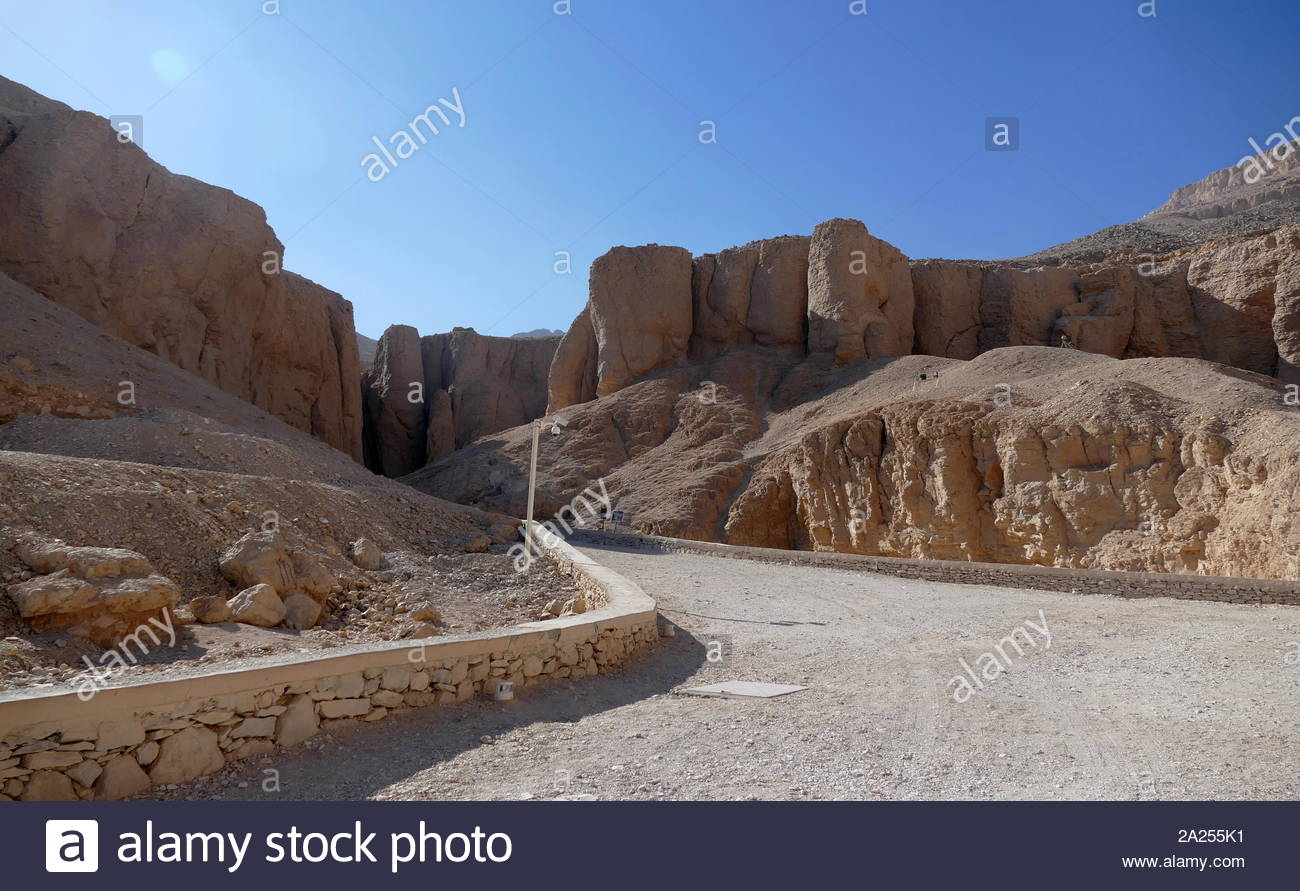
pixel 1004 575
pixel 129 737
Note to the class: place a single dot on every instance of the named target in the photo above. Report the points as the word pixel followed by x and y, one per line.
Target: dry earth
pixel 1134 699
pixel 103 444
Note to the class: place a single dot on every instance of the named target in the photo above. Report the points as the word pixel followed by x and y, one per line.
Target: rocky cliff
pixel 1257 194
pixel 427 396
pixel 1273 175
pixel 825 392
pixel 188 271
pixel 843 295
pixel 1023 454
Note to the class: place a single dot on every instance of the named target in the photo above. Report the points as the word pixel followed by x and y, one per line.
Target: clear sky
pixel 582 131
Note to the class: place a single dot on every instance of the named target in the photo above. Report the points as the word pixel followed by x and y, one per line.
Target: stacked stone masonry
pixel 126 739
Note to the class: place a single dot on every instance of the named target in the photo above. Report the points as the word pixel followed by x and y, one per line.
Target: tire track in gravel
pixel 930 717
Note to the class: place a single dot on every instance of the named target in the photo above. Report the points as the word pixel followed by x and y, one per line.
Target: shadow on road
pixel 370 757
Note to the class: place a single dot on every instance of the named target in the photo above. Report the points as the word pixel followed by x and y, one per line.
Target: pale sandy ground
pixel 1135 699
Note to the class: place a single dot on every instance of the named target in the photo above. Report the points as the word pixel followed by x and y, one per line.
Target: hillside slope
pixel 1023 455
pixel 188 271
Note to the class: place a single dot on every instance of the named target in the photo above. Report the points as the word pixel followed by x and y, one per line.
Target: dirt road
pixel 1125 699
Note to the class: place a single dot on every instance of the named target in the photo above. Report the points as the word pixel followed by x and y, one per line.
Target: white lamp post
pixel 532 478
pixel 532 485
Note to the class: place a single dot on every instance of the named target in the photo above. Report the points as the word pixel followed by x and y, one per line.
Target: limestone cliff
pixel 188 271
pixel 427 396
pixel 827 393
pixel 844 296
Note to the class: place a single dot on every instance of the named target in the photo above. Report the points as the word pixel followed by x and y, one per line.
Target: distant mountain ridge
pixel 1259 193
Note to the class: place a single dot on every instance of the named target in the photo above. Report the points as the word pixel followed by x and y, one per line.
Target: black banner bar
pixel 648 845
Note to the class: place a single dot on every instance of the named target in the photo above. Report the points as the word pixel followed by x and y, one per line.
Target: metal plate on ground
pixel 744 689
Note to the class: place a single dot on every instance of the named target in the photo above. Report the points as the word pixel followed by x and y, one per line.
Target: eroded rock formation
pixel 845 296
pixel 188 271
pixel 101 594
pixel 830 394
pixel 427 396
pixel 1024 455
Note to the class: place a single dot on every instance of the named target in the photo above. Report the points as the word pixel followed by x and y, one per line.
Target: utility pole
pixel 532 484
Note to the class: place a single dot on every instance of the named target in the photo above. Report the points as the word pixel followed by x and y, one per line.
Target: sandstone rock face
pixel 492 383
pixel 1232 288
pixel 1228 301
pixel 1286 318
pixel 640 310
pixel 394 401
pixel 653 307
pixel 860 300
pixel 101 594
pixel 171 265
pixel 1022 455
pixel 427 397
pixel 1231 301
pixel 752 294
pixel 1228 191
pixel 572 377
pixel 1107 474
pixel 948 311
pixel 931 411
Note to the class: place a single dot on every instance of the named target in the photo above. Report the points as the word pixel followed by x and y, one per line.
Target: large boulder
pixel 259 558
pixel 300 612
pixel 100 594
pixel 259 605
pixel 185 270
pixel 366 554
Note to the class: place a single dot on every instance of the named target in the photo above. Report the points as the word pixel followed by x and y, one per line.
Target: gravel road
pixel 1133 699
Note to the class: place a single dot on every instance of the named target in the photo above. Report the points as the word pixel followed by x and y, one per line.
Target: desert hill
pixel 105 445
pixel 1255 195
pixel 1024 454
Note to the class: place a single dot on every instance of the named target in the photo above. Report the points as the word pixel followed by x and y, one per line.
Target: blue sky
pixel 582 130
